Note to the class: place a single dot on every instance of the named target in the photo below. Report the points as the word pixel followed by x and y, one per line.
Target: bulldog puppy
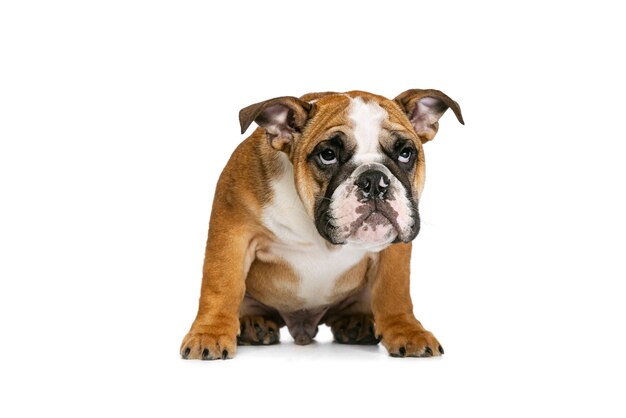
pixel 312 224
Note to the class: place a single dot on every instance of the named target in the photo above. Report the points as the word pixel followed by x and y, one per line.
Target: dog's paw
pixel 208 346
pixel 410 340
pixel 354 329
pixel 257 330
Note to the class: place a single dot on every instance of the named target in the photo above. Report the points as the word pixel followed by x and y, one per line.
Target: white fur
pixel 300 245
pixel 366 120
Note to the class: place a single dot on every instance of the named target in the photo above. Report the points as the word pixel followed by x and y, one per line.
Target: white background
pixel 117 117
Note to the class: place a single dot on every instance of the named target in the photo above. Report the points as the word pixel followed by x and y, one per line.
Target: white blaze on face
pixel 367 119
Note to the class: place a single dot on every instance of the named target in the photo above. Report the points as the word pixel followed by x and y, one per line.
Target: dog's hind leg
pixel 351 321
pixel 258 324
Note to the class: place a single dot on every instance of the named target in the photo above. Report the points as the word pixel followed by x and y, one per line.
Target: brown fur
pixel 236 258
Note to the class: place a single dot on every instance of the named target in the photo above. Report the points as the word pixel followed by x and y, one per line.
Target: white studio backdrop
pixel 117 117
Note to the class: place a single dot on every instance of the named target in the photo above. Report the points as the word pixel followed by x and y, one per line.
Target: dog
pixel 312 224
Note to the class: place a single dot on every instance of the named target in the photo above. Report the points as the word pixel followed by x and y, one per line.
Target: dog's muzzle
pixel 370 207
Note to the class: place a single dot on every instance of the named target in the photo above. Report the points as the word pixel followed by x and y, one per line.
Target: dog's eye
pixel 405 155
pixel 328 157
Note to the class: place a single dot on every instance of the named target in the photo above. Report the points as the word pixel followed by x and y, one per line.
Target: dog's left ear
pixel 424 108
pixel 281 118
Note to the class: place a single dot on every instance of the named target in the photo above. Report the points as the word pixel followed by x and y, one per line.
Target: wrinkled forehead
pixel 368 123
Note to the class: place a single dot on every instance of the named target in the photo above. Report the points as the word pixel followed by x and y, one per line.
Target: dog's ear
pixel 281 118
pixel 424 108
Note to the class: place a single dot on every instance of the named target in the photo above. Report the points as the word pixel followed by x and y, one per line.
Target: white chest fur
pixel 300 245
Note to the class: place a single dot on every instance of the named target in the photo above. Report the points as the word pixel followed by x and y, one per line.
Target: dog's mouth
pixel 371 222
pixel 375 223
pixel 350 216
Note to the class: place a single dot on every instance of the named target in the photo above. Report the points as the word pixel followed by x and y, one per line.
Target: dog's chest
pixel 316 265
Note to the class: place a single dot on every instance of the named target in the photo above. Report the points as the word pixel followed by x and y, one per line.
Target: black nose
pixel 373 184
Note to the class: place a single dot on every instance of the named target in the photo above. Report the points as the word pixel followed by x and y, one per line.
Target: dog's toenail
pixel 205 354
pixel 186 352
pixel 428 352
pixel 402 351
pixel 441 349
pixel 224 354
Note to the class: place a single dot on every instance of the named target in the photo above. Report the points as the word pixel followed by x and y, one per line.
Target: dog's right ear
pixel 282 118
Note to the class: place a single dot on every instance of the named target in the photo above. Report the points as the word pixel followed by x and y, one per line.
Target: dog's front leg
pixel 402 334
pixel 213 334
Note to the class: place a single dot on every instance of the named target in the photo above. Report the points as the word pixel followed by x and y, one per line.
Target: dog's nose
pixel 373 184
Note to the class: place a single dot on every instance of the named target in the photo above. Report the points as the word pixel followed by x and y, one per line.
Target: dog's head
pixel 357 157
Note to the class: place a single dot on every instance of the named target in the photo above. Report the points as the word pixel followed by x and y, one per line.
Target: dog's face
pixel 358 159
pixel 360 172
